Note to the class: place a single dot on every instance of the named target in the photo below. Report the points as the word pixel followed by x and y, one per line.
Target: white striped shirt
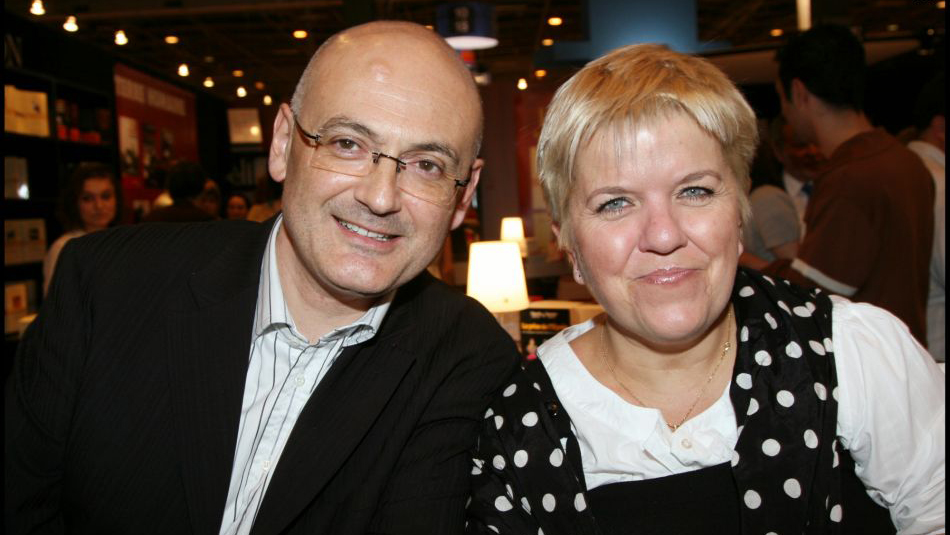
pixel 283 371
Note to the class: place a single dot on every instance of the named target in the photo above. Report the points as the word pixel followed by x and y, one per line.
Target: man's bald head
pixel 400 43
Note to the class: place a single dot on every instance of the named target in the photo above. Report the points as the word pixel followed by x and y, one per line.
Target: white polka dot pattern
pixel 746 291
pixel 771 447
pixel 525 505
pixel 512 388
pixel 498 462
pixel 530 419
pixel 792 487
pixel 821 391
pixel 556 458
pixel 785 398
pixel 763 358
pixel 502 504
pixel 753 407
pixel 793 350
pixel 579 502
pixel 548 502
pixel 772 323
pixel 521 458
pixel 811 439
pixel 744 380
pixel 752 499
pixel 835 514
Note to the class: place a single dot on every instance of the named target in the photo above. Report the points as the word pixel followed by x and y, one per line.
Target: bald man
pixel 302 375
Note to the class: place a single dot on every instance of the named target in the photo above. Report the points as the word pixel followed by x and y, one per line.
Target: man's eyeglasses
pixel 422 175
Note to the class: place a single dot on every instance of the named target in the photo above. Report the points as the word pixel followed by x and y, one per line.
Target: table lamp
pixel 496 280
pixel 512 229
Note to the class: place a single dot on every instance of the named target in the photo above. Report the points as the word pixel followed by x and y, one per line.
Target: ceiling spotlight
pixel 776 32
pixel 941 4
pixel 241 92
pixel 540 73
pixel 300 34
pixel 171 39
pixel 209 59
pixel 237 73
pixel 522 84
pixel 259 85
pixel 183 70
pixel 267 100
pixel 547 42
pixel 37 8
pixel 120 38
pixel 208 82
pixel 255 130
pixel 892 27
pixel 930 31
pixel 555 21
pixel 70 24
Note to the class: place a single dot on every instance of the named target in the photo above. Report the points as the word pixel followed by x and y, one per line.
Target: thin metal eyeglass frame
pixel 400 165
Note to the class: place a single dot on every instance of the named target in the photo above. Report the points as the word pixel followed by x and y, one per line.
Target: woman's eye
pixel 613 205
pixel 696 192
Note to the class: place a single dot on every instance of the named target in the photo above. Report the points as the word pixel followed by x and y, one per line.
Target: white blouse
pixel 890 417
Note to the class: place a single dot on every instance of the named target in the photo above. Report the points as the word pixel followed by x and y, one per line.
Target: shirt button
pixel 266 465
pixel 686 443
pixel 300 381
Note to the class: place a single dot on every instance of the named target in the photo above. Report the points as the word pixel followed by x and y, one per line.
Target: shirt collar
pixel 792 184
pixel 928 151
pixel 272 311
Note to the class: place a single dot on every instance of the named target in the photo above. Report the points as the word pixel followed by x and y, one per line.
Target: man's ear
pixel 280 143
pixel 461 207
pixel 800 95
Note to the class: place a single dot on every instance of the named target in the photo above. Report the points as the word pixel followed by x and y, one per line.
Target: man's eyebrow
pixel 339 122
pixel 440 148
pixel 342 122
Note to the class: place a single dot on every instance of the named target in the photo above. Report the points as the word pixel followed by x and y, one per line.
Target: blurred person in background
pixel 88 203
pixel 186 183
pixel 237 206
pixel 930 145
pixel 209 199
pixel 800 163
pixel 869 221
pixel 775 228
pixel 267 199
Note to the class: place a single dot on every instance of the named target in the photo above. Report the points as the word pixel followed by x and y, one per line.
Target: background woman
pixel 237 206
pixel 87 203
pixel 707 399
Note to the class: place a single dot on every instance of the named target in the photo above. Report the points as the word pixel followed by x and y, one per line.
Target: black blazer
pixel 123 407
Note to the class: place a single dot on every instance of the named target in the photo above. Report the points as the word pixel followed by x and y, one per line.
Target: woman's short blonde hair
pixel 632 86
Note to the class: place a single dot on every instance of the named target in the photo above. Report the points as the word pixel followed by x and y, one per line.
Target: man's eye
pixel 428 167
pixel 346 144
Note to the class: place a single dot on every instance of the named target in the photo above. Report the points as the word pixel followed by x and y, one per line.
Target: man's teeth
pixel 363 232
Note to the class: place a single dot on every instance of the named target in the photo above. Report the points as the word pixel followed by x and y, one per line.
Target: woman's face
pixel 656 229
pixel 237 208
pixel 97 203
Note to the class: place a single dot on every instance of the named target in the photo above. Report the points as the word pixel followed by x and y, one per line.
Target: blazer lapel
pixel 337 416
pixel 208 348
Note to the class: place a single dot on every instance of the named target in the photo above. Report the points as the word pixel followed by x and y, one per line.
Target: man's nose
pixel 379 190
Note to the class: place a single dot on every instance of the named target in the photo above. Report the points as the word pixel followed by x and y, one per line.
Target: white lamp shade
pixel 512 229
pixel 496 276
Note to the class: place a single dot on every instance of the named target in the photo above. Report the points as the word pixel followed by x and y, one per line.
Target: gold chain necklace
pixel 673 427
